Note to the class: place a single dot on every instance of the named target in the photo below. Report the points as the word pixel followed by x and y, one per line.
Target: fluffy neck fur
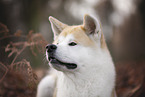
pixel 96 81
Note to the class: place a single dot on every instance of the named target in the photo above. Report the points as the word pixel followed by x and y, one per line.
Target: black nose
pixel 51 48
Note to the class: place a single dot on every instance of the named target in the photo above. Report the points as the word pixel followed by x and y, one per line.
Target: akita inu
pixel 81 61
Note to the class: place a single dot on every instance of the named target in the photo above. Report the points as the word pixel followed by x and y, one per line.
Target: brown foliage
pixel 17 79
pixel 130 79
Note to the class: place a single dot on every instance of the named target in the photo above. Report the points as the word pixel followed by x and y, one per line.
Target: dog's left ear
pixel 92 26
pixel 56 26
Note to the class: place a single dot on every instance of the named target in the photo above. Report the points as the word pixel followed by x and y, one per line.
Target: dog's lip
pixel 68 65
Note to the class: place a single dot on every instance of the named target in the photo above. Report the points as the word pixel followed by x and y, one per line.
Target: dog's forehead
pixel 72 30
pixel 75 33
pixel 69 33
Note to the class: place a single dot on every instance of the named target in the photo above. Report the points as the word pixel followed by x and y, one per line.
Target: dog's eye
pixel 72 44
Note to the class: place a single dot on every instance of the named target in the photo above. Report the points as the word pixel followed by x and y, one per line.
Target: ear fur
pixel 56 26
pixel 92 26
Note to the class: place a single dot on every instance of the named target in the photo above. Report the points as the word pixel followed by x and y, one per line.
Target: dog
pixel 80 60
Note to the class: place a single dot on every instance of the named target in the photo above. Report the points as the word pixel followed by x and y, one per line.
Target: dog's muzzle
pixel 51 48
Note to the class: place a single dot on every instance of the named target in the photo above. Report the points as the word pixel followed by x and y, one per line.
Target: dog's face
pixel 74 47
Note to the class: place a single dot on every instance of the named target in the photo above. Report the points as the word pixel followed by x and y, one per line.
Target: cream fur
pixel 95 72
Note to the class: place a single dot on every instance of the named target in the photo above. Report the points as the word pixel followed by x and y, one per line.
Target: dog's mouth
pixel 53 60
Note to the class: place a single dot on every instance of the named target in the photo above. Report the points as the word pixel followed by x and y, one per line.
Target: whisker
pixel 45 59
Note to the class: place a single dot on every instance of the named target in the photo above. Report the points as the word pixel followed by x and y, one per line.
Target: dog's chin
pixel 61 66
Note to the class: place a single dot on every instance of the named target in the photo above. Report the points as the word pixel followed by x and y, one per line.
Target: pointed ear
pixel 56 26
pixel 92 26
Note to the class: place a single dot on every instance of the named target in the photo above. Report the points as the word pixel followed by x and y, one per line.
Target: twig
pixel 6 70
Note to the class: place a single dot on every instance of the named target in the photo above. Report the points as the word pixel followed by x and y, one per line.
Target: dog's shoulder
pixel 46 87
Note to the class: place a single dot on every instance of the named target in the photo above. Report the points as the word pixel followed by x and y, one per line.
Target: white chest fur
pixel 94 82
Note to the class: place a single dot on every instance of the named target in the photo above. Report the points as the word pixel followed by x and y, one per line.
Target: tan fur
pixel 103 43
pixel 113 93
pixel 55 92
pixel 80 36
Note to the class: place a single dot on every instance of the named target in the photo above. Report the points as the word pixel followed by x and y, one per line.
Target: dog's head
pixel 75 47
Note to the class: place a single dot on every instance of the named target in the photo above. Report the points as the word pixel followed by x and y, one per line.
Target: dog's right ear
pixel 56 26
pixel 92 26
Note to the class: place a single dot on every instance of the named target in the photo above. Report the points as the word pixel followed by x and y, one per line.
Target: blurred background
pixel 123 23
